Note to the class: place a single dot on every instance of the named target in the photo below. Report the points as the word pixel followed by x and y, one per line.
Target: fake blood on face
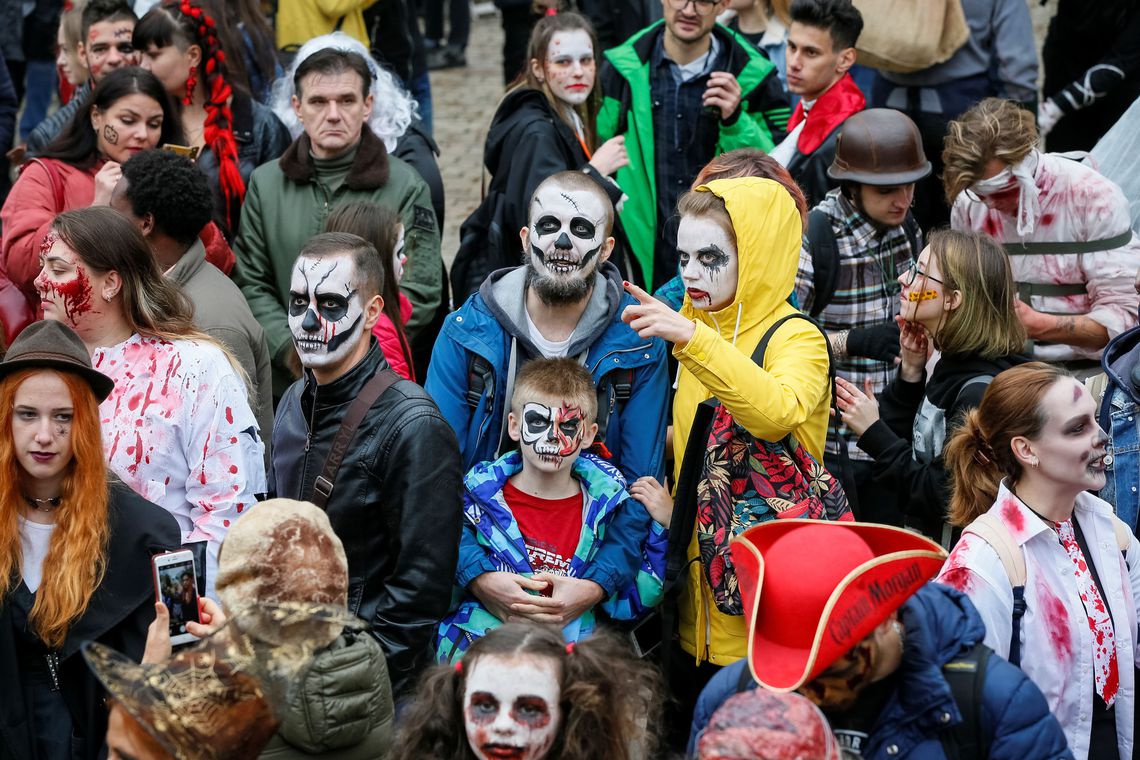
pixel 75 294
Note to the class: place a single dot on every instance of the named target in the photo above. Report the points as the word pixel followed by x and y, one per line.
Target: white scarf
pixel 1028 205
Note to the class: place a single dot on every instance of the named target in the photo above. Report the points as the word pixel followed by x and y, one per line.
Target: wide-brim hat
pixel 48 344
pixel 219 698
pixel 812 590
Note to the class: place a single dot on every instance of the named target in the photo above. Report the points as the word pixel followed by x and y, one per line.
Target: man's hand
pixel 858 408
pixel 1030 318
pixel 505 596
pixel 654 497
pixel 650 318
pixel 1048 114
pixel 723 92
pixel 574 594
pixel 879 342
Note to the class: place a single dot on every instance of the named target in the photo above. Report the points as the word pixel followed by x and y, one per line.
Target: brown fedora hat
pixel 48 344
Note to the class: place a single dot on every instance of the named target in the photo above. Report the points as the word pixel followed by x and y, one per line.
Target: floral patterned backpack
pixel 744 481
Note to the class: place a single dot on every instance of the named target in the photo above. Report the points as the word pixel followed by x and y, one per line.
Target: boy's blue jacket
pixel 941 624
pixel 491 541
pixel 491 319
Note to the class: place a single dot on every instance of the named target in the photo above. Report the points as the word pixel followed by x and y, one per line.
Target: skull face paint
pixel 709 264
pixel 566 234
pixel 511 707
pixel 552 434
pixel 326 315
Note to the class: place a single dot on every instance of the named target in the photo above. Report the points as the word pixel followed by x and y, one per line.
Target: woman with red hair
pixel 75 548
pixel 186 49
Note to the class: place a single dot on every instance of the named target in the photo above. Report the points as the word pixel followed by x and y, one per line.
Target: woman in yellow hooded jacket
pixel 739 244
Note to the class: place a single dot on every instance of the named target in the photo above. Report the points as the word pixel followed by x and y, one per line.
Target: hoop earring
pixel 191 83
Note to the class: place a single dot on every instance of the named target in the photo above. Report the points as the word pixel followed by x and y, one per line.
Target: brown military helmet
pixel 879 146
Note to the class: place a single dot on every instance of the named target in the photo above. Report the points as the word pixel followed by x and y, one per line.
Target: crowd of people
pixel 780 400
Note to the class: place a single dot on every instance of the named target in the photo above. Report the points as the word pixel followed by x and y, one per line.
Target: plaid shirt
pixel 866 291
pixel 682 142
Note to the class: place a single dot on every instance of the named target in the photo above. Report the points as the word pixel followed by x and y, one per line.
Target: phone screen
pixel 179 592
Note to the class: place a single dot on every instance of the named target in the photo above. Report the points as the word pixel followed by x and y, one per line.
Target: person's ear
pixel 1022 449
pixel 524 236
pixel 96 119
pixel 588 438
pixel 296 102
pixel 368 103
pixel 194 55
pixel 607 249
pixel 146 224
pixel 536 70
pixel 514 430
pixel 112 285
pixel 953 300
pixel 372 311
pixel 846 60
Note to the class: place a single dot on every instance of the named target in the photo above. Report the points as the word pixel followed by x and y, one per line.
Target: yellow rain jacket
pixel 298 21
pixel 789 394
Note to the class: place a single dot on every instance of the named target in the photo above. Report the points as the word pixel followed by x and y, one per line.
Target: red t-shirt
pixel 550 527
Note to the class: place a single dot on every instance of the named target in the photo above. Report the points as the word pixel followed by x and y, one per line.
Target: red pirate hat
pixel 829 584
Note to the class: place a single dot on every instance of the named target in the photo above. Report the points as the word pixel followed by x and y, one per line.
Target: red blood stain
pixel 233 440
pixel 992 225
pixel 75 293
pixel 960 578
pixel 233 469
pixel 229 415
pixel 1056 622
pixel 1012 516
pixel 1047 219
pixel 1112 681
pixel 226 523
pixel 205 455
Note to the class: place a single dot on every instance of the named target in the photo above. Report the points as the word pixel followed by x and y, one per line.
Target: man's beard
pixel 554 290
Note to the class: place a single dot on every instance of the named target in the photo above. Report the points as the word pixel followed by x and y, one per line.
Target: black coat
pixel 396 504
pixel 118 615
pixel 809 170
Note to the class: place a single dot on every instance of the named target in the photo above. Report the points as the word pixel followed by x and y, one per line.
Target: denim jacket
pixel 1120 418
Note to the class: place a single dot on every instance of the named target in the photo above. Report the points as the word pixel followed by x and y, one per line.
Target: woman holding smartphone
pixel 75 548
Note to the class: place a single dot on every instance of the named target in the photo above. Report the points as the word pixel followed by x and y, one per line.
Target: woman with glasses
pixel 959 297
pixel 1065 227
pixel 544 125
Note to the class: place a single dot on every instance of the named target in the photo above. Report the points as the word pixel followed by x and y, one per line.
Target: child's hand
pixel 575 596
pixel 654 497
pixel 505 594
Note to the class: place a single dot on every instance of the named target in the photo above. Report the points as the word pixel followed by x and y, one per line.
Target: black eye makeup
pixel 547 225
pixel 713 258
pixel 582 228
pixel 331 306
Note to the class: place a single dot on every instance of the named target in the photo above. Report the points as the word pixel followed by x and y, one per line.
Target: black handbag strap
pixel 372 390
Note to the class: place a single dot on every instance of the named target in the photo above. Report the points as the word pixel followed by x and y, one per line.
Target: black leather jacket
pixel 396 503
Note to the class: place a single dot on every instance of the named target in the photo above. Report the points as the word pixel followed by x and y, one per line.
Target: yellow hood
pixel 769 232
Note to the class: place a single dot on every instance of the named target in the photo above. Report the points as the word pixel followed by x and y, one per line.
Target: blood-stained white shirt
pixel 1056 641
pixel 1076 204
pixel 179 431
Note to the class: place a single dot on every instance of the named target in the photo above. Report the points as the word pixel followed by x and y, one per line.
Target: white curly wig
pixel 392 107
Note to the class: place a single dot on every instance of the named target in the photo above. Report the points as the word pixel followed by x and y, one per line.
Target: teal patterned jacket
pixel 491 541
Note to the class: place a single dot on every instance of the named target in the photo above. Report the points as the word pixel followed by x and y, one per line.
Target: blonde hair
pixel 994 128
pixel 562 379
pixel 986 322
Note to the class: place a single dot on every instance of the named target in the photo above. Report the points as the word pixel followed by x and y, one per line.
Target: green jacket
pixel 627 109
pixel 285 205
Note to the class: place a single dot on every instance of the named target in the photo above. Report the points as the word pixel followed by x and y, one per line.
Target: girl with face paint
pixel 1030 457
pixel 522 693
pixel 958 298
pixel 544 125
pixel 178 428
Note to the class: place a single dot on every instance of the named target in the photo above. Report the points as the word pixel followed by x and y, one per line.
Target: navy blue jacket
pixel 941 624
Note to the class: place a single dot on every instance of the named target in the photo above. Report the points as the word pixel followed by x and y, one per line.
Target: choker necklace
pixel 43 505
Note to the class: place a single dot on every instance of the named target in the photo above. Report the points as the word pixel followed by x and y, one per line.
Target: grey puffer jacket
pixel 342 710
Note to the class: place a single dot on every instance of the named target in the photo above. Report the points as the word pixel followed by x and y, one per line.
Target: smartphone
pixel 190 151
pixel 175 585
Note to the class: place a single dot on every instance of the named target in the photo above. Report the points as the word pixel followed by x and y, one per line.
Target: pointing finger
pixel 645 298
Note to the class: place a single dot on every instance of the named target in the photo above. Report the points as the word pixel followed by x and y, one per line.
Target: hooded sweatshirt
pixel 789 394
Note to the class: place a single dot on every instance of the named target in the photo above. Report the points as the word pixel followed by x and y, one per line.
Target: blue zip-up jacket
pixel 492 542
pixel 486 325
pixel 1120 418
pixel 941 624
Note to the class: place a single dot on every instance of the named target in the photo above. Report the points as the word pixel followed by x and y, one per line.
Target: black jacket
pixel 809 170
pixel 395 504
pixel 925 488
pixel 527 143
pixel 118 615
pixel 260 138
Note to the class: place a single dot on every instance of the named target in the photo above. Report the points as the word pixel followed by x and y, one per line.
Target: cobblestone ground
pixel 463 102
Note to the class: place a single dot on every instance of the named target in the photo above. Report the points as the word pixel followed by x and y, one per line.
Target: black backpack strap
pixel 614 390
pixel 1019 607
pixel 824 260
pixel 966 677
pixel 480 380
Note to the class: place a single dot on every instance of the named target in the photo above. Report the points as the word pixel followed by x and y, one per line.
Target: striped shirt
pixel 866 291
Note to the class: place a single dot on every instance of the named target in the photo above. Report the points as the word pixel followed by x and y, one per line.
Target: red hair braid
pixel 219 132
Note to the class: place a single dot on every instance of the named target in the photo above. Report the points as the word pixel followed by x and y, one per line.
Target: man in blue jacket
pixel 879 650
pixel 565 300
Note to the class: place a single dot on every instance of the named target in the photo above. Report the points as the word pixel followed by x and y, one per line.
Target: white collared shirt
pixel 1056 642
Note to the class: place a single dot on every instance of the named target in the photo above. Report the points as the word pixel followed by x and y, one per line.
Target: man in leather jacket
pixel 395 500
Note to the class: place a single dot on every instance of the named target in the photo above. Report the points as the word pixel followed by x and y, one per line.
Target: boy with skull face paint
pixel 544 512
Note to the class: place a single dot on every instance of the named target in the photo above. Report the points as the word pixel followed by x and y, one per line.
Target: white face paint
pixel 511 707
pixel 570 66
pixel 551 436
pixel 709 264
pixel 326 315
pixel 398 255
pixel 566 237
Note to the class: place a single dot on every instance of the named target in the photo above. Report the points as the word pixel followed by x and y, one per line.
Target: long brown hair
pixel 536 49
pixel 77 553
pixel 751 162
pixel 978 454
pixel 986 322
pixel 606 698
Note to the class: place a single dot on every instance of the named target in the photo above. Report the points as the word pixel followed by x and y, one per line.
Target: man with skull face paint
pixel 395 501
pixel 565 301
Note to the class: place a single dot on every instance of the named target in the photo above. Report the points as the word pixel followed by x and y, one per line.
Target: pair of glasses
pixel 913 272
pixel 702 7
